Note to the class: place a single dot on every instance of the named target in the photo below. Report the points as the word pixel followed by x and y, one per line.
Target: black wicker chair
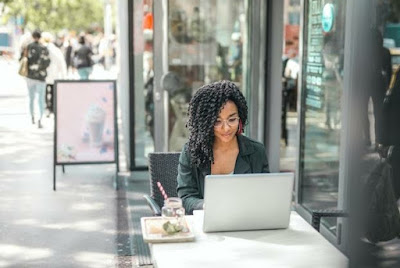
pixel 163 167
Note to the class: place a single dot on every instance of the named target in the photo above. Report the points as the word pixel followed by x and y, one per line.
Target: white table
pixel 298 246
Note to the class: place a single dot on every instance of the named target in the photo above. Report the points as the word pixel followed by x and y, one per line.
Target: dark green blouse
pixel 251 159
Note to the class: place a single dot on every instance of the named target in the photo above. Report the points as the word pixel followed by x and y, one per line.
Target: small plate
pixel 153 231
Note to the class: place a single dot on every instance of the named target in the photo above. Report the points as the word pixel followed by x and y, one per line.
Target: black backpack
pixel 382 219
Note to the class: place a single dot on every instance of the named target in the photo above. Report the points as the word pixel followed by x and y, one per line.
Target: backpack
pixel 382 214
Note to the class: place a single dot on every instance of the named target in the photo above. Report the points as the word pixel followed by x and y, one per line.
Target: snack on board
pixel 172 228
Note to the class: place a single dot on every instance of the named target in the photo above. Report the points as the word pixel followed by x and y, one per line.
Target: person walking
pixel 56 70
pixel 68 55
pixel 38 61
pixel 83 59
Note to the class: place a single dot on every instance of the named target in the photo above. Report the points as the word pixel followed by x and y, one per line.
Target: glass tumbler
pixel 173 210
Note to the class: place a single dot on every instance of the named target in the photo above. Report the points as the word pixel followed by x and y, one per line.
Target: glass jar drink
pixel 173 210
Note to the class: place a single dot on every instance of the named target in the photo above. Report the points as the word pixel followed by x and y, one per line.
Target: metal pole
pixel 108 33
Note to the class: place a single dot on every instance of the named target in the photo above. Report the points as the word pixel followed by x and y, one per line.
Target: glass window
pixel 375 132
pixel 380 121
pixel 294 2
pixel 294 18
pixel 322 74
pixel 290 71
pixel 143 79
pixel 203 47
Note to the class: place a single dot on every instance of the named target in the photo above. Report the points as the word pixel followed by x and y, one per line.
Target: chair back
pixel 163 167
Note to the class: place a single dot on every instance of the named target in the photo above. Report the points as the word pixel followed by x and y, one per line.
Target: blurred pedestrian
pixel 390 129
pixel 56 70
pixel 102 50
pixel 38 61
pixel 68 55
pixel 379 70
pixel 83 59
pixel 382 190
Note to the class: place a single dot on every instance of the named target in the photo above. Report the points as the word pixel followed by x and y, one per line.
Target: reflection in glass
pixel 322 84
pixel 380 106
pixel 290 71
pixel 143 77
pixel 388 133
pixel 203 47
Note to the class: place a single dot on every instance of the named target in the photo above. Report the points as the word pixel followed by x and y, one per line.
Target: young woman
pixel 217 114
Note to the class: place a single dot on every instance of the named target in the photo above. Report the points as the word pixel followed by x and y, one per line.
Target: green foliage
pixel 55 15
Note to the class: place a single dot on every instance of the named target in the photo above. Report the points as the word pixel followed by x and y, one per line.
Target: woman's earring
pixel 240 128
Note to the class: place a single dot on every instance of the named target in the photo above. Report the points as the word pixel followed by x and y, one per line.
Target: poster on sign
pixel 85 122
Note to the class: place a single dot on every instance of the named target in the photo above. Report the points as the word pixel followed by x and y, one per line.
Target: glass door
pixel 321 101
pixel 195 43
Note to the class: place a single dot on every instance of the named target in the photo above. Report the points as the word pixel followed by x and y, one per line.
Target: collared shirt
pixel 251 159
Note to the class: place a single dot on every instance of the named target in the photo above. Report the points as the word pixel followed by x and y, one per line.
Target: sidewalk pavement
pixel 83 224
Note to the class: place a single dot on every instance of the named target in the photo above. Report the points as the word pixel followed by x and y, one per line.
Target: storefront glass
pixel 143 79
pixel 203 46
pixel 322 75
pixel 290 76
pixel 207 41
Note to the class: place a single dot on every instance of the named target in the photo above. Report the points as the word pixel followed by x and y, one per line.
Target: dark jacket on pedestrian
pixel 251 159
pixel 390 129
pixel 83 57
pixel 38 61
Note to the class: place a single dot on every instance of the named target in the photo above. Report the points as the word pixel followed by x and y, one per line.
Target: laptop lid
pixel 240 202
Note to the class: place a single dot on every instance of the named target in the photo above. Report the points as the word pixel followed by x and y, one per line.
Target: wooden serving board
pixel 153 231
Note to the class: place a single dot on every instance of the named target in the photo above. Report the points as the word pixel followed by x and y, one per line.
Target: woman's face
pixel 227 123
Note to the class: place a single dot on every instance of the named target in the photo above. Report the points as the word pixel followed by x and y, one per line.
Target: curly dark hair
pixel 204 108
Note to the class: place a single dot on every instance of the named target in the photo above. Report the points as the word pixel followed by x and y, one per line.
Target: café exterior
pixel 170 48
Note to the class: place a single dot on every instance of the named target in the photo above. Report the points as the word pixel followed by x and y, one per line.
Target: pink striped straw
pixel 164 194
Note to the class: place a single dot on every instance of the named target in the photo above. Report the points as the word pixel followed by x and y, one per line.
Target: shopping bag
pixel 23 66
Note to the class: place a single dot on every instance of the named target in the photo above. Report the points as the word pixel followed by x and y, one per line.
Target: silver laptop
pixel 247 201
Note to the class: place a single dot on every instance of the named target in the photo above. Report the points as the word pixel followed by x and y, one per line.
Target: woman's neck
pixel 226 146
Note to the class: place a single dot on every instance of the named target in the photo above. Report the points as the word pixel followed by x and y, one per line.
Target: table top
pixel 300 245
